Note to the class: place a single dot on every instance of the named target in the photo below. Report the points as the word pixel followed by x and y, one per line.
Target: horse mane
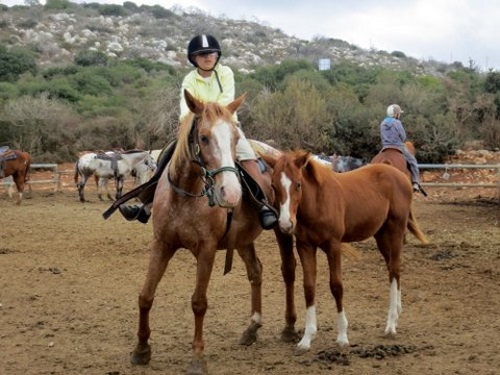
pixel 318 171
pixel 211 112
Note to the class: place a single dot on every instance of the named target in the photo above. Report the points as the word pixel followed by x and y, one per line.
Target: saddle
pixel 391 148
pixel 113 158
pixel 6 154
pixel 145 192
pixel 4 149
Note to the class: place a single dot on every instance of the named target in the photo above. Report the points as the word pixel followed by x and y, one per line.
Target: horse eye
pixel 298 185
pixel 204 139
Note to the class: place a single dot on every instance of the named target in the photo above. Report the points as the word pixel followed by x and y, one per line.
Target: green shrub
pixel 15 62
pixel 90 58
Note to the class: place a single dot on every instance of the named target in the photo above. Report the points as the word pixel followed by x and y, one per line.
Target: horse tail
pixel 349 251
pixel 414 228
pixel 29 160
pixel 76 173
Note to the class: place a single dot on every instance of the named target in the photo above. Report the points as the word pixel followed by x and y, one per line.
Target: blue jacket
pixel 392 133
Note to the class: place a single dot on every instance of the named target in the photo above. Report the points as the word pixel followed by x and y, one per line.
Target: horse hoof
pixel 250 335
pixel 289 335
pixel 141 355
pixel 300 351
pixel 198 366
pixel 248 338
pixel 391 335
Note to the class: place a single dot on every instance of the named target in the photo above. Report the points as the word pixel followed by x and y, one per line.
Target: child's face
pixel 206 61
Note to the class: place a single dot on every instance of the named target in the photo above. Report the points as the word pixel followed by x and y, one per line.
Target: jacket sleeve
pixel 401 132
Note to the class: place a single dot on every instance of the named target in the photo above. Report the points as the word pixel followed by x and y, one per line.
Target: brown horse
pixel 198 206
pixel 322 209
pixel 395 157
pixel 16 163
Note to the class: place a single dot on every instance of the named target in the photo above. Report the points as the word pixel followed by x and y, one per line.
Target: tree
pixel 15 62
pixel 291 114
pixel 41 126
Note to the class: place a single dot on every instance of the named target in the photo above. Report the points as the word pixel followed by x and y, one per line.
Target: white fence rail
pixel 494 167
pixel 56 178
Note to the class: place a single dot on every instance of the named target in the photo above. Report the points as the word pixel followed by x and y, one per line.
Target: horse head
pixel 208 137
pixel 287 180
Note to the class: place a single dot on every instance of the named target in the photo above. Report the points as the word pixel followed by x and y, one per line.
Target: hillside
pixel 161 35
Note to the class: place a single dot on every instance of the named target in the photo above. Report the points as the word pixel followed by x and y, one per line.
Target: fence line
pixel 56 178
pixel 463 166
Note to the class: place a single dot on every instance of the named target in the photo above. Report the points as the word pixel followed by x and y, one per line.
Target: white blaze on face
pixel 285 220
pixel 229 189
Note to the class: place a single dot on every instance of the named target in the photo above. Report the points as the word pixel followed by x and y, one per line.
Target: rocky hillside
pixel 159 34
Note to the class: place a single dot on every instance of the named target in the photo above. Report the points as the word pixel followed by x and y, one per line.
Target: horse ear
pixel 235 104
pixel 302 159
pixel 194 104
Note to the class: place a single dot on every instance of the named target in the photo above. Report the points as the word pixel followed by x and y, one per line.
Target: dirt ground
pixel 69 282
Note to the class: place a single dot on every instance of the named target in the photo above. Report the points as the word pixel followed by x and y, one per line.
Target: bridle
pixel 207 176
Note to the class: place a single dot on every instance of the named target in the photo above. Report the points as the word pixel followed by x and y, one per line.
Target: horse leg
pixel 119 186
pixel 81 185
pixel 19 181
pixel 99 186
pixel 389 242
pixel 254 273
pixel 307 254
pixel 11 190
pixel 158 261
pixel 106 186
pixel 102 184
pixel 199 303
pixel 288 266
pixel 334 257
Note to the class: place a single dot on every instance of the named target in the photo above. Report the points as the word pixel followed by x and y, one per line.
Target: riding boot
pixel 139 211
pixel 417 188
pixel 268 216
pixel 135 212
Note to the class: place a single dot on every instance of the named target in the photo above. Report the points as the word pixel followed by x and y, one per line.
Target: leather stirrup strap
pixel 231 240
pixel 254 190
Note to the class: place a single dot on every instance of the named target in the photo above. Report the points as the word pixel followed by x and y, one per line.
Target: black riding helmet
pixel 203 43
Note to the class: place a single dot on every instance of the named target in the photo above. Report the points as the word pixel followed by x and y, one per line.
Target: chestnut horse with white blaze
pixel 17 164
pixel 322 209
pixel 198 206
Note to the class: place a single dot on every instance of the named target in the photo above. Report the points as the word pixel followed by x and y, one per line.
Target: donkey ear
pixel 234 105
pixel 194 104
